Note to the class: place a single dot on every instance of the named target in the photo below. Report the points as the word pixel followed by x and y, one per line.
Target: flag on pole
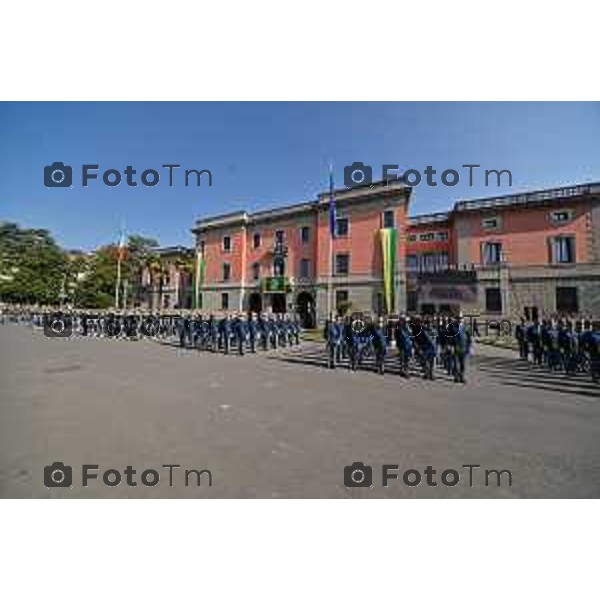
pixel 332 208
pixel 122 248
pixel 388 251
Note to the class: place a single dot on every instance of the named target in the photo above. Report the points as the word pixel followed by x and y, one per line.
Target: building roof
pixel 528 198
pixel 532 198
pixel 364 192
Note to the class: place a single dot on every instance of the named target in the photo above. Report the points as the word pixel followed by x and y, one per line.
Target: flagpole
pixel 118 284
pixel 331 215
pixel 120 248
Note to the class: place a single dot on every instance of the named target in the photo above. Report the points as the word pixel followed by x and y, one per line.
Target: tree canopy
pixel 34 269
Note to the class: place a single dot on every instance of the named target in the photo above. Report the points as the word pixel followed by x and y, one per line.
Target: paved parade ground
pixel 279 424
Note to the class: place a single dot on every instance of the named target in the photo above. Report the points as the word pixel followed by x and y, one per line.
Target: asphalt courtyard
pixel 280 425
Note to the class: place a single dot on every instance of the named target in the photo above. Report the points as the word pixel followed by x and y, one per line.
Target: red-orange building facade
pixel 534 252
pixel 285 259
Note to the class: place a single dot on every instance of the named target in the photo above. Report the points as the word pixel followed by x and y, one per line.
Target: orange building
pixel 284 259
pixel 528 253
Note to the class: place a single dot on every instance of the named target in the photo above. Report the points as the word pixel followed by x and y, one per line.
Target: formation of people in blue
pixel 239 333
pixel 561 344
pixel 424 342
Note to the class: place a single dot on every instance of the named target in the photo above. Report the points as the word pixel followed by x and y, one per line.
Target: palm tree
pixel 157 272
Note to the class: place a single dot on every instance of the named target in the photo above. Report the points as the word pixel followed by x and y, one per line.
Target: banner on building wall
pixel 199 278
pixel 389 252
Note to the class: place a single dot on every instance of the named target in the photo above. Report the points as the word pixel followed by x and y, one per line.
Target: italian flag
pixel 389 252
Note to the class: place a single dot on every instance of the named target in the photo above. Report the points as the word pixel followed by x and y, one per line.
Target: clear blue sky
pixel 269 154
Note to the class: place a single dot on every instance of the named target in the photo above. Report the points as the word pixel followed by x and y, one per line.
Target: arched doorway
pixel 305 307
pixel 255 302
pixel 278 303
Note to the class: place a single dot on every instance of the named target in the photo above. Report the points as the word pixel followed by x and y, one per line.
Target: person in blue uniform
pixel 225 331
pixel 404 346
pixel 240 331
pixel 590 342
pixel 534 339
pixel 550 335
pixel 296 330
pixel 568 342
pixel 461 347
pixel 379 343
pixel 253 332
pixel 333 337
pixel 426 347
pixel 263 329
pixel 521 336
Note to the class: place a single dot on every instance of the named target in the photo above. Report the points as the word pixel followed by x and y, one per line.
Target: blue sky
pixel 269 154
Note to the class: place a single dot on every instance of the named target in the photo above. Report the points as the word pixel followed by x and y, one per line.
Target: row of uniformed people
pixel 214 332
pixel 238 332
pixel 561 344
pixel 418 340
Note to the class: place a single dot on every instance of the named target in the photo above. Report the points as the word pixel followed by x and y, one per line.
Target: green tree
pixel 32 266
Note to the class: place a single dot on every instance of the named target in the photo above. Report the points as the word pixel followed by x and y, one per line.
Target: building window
pixel 202 247
pixel 561 216
pixel 227 244
pixel 427 237
pixel 493 300
pixel 442 236
pixel 305 268
pixel 305 234
pixel 491 253
pixel 412 262
pixel 256 271
pixel 566 300
pixel 200 301
pixel 256 240
pixel 226 271
pixel 428 261
pixel 491 223
pixel 342 264
pixel 341 226
pixel 224 301
pixel 442 260
pixel 562 249
pixel 341 300
pixel 388 219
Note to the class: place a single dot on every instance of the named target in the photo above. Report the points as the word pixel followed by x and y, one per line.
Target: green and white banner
pixel 389 252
